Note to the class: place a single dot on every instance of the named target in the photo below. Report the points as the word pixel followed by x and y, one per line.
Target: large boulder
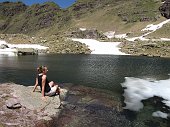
pixel 19 106
pixel 27 51
pixel 165 9
pixel 87 34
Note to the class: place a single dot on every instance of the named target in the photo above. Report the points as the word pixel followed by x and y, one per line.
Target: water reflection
pixel 103 71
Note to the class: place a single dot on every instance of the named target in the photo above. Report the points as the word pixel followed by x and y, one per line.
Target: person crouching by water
pixel 47 88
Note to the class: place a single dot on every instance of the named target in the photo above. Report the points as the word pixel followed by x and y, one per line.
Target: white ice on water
pixel 160 114
pixel 137 89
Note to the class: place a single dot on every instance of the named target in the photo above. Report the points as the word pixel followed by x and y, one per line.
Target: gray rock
pixel 150 45
pixel 165 9
pixel 3 46
pixel 4 95
pixel 32 100
pixel 27 51
pixel 13 103
pixel 63 94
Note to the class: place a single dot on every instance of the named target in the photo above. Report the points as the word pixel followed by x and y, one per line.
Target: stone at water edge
pixel 63 94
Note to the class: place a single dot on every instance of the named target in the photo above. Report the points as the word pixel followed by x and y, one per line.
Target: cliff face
pixel 165 9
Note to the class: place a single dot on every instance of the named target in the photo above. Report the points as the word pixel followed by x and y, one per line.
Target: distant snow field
pixel 101 47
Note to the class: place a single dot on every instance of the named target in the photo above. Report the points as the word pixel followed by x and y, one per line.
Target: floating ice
pixel 137 89
pixel 160 114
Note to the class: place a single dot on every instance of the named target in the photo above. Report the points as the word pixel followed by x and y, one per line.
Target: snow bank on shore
pixel 34 46
pixel 101 47
pixel 12 47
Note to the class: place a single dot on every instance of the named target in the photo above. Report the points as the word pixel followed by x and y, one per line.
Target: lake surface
pixel 101 71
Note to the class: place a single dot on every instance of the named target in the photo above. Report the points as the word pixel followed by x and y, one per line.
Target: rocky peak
pixel 8 9
pixel 39 9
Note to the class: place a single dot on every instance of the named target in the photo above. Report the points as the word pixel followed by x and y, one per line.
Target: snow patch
pixel 110 34
pixel 121 36
pixel 101 47
pixel 12 47
pixel 151 28
pixel 82 29
pixel 165 39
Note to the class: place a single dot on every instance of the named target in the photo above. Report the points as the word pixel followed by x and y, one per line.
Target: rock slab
pixel 19 106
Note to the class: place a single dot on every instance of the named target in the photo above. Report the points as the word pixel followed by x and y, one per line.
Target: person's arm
pixel 36 84
pixel 43 85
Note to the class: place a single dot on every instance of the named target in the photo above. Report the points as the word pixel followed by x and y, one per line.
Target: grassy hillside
pixel 162 32
pixel 118 15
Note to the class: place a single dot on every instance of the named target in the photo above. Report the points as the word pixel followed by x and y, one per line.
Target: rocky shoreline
pixel 61 45
pixel 81 106
pixel 19 106
pixel 146 48
pixel 56 44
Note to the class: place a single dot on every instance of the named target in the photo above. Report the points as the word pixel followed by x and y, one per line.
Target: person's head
pixel 42 69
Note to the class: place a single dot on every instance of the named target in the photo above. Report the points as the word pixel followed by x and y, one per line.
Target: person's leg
pixel 58 90
pixel 52 84
pixel 52 91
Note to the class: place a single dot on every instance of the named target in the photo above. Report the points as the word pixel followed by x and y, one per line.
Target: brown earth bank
pixel 146 48
pixel 81 106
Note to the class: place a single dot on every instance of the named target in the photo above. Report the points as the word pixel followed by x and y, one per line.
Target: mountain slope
pixel 121 16
pixel 118 15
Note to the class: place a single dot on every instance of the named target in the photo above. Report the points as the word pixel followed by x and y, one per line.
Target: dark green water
pixel 101 71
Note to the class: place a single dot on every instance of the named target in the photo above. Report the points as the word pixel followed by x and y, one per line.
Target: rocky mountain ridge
pixel 16 17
